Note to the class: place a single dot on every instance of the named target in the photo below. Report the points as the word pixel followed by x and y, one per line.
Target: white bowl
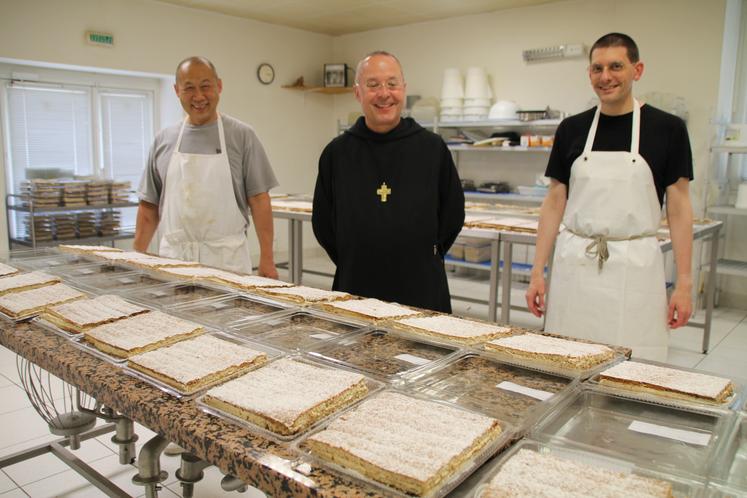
pixel 504 110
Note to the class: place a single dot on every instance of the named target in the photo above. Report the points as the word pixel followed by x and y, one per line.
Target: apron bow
pixel 598 249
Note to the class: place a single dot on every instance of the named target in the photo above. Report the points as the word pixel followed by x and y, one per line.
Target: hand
pixel 680 308
pixel 267 269
pixel 536 295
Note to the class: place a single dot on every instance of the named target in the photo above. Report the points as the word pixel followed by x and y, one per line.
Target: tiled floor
pixel 46 476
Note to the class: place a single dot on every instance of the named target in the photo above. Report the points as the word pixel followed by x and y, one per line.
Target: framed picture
pixel 335 75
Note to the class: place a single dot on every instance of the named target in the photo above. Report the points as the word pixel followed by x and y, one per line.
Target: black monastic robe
pixel 389 249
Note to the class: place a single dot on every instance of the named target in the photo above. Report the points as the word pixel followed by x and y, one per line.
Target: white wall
pixel 153 37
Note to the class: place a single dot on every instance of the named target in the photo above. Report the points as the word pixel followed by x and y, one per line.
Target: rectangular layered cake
pixel 6 270
pixel 409 444
pixel 370 309
pixel 564 353
pixel 529 474
pixel 668 382
pixel 31 302
pixel 196 363
pixel 287 397
pixel 194 272
pixel 143 260
pixel 250 282
pixel 26 281
pixel 452 328
pixel 85 314
pixel 141 333
pixel 521 225
pixel 83 249
pixel 301 294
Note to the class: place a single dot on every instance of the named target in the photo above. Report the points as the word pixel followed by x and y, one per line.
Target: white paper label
pixel 321 336
pixel 527 391
pixel 219 306
pixel 86 272
pixel 158 293
pixel 691 437
pixel 126 280
pixel 415 360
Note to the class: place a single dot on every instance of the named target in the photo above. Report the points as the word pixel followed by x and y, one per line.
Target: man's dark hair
pixel 617 40
pixel 195 59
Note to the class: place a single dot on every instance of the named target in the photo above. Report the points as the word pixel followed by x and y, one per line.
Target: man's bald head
pixel 195 59
pixel 375 53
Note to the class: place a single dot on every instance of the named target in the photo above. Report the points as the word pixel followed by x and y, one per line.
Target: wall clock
pixel 265 73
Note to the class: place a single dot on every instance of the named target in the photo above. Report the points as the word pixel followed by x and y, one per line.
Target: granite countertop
pixel 254 459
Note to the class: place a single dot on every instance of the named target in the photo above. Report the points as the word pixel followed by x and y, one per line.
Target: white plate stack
pixel 478 96
pixel 452 95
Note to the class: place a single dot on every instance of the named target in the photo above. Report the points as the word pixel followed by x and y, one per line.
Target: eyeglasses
pixel 375 86
pixel 614 67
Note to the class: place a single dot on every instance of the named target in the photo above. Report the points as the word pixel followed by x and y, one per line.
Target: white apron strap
pixel 634 134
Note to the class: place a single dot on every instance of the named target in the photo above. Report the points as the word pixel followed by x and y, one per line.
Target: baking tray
pixel 75 272
pixel 729 469
pixel 173 391
pixel 477 382
pixel 604 423
pixel 384 354
pixel 681 487
pixel 373 387
pixel 176 293
pixel 223 312
pixel 295 330
pixel 118 283
pixel 548 367
pixel 731 402
pixel 471 465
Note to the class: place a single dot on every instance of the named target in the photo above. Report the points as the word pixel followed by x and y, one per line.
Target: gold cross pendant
pixel 383 192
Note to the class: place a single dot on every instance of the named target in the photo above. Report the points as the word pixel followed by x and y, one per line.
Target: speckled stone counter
pixel 254 459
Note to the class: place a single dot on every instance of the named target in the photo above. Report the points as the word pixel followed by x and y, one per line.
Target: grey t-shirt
pixel 251 172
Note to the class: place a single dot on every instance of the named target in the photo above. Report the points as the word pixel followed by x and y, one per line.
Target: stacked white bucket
pixel 468 101
pixel 452 95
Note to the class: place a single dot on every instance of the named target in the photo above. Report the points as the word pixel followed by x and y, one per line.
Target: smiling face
pixel 612 75
pixel 380 89
pixel 198 89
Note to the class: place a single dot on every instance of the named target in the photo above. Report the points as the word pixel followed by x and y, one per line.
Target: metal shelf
pixel 58 209
pixel 472 148
pixel 731 267
pixel 493 123
pixel 731 149
pixel 727 210
pixel 482 196
pixel 85 240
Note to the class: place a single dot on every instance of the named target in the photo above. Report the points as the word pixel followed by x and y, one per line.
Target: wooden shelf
pixel 321 89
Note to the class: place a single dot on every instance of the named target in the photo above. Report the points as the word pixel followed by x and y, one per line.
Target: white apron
pixel 201 220
pixel 611 194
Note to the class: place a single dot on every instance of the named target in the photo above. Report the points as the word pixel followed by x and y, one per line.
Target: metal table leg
pixel 295 249
pixel 506 281
pixel 710 290
pixel 493 289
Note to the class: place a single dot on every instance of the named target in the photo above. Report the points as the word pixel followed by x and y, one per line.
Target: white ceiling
pixel 339 17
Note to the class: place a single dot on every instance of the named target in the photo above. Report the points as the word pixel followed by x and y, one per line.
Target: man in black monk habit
pixel 388 202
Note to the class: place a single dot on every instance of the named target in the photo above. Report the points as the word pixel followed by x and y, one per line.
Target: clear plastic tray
pixel 384 354
pixel 477 382
pixel 88 270
pixel 681 487
pixel 48 262
pixel 118 283
pixel 297 330
pixel 176 294
pixel 731 402
pixel 222 312
pixel 177 393
pixel 730 466
pixel 446 486
pixel 605 423
pixel 373 387
pixel 549 367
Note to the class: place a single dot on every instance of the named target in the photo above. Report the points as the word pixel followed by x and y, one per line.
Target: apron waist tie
pixel 597 248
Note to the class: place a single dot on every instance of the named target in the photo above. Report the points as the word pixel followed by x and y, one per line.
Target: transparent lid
pixel 730 467
pixel 177 293
pixel 78 271
pixel 118 283
pixel 224 311
pixel 383 354
pixel 298 330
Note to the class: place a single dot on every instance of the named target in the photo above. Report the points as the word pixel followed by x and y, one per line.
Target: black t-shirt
pixel 664 144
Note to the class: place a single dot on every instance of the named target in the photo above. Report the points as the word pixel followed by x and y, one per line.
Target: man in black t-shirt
pixel 611 168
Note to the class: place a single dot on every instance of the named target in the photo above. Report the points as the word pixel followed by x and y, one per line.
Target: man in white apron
pixel 608 281
pixel 203 177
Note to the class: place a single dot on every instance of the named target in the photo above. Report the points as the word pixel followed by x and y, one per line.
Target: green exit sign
pixel 99 38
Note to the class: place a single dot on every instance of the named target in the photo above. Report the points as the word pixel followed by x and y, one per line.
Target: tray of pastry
pixel 452 329
pixel 403 444
pixel 193 365
pixel 51 260
pixel 74 272
pixel 119 282
pixel 295 330
pixel 564 356
pixel 668 385
pixel 384 354
pixel 533 468
pixel 118 340
pixel 287 397
pixel 511 393
pixel 75 317
pixel 224 311
pixel 177 293
pixel 26 304
pixel 369 309
pixel 729 469
pixel 675 440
